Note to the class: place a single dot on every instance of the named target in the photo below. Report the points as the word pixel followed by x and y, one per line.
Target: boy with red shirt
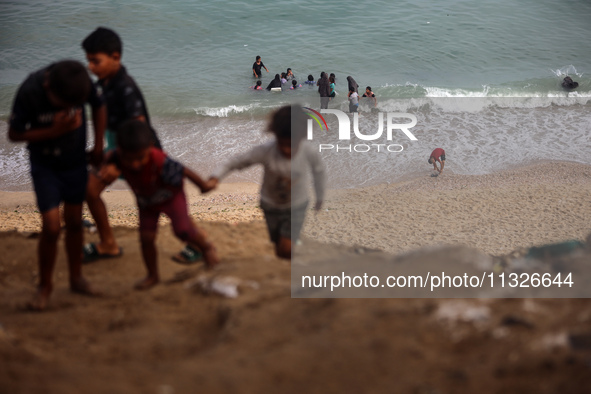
pixel 438 155
pixel 157 182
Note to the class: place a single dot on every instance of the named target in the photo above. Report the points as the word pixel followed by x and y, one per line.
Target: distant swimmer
pixel 294 84
pixel 256 67
pixel 275 83
pixel 438 155
pixel 257 86
pixel 569 84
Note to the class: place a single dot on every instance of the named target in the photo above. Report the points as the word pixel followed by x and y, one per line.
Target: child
pixel 48 113
pixel 310 80
pixel 283 79
pixel 157 182
pixel 438 155
pixel 289 74
pixel 294 85
pixel 256 67
pixel 370 95
pixel 257 86
pixel 287 161
pixel 331 86
pixel 353 100
pixel 124 101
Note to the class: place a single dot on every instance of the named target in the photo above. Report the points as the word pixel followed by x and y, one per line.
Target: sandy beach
pixel 177 338
pixel 495 213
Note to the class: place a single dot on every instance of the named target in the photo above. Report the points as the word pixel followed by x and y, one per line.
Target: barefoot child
pixel 157 182
pixel 48 113
pixel 103 48
pixel 438 155
pixel 287 162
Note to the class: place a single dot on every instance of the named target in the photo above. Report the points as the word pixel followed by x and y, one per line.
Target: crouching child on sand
pixel 287 161
pixel 157 182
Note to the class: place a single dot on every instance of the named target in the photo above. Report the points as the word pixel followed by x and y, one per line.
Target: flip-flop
pixel 91 254
pixel 188 256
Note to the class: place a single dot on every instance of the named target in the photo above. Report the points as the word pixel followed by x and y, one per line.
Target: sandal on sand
pixel 188 256
pixel 91 254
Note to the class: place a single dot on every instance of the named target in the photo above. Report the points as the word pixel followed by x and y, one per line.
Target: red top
pixel 437 153
pixel 157 182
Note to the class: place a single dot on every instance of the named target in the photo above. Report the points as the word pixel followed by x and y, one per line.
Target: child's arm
pixel 63 122
pixel 198 181
pixel 254 156
pixel 109 172
pixel 99 121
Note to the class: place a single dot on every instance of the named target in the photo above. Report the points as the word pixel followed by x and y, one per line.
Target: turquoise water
pixel 193 62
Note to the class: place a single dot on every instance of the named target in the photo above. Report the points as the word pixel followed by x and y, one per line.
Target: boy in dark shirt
pixel 48 113
pixel 256 67
pixel 157 182
pixel 124 101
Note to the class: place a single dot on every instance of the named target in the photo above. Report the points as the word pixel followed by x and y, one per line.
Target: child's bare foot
pixel 147 283
pixel 81 286
pixel 210 255
pixel 39 301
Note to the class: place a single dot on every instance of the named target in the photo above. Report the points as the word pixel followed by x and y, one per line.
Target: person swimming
pixel 275 83
pixel 569 84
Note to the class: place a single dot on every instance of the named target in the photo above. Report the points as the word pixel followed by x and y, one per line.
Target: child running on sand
pixel 157 182
pixel 48 113
pixel 287 162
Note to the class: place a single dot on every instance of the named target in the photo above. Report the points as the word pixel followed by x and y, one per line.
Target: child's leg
pixel 185 229
pixel 148 241
pixel 74 241
pixel 148 227
pixel 283 248
pixel 108 244
pixel 46 255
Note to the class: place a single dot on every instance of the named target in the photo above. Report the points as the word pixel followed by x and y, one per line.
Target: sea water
pixel 482 78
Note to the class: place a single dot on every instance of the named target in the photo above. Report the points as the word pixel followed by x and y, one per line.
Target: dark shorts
pixel 285 223
pixel 54 186
pixel 176 210
pixel 442 157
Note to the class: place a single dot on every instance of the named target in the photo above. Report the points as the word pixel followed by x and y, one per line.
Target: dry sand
pixel 174 339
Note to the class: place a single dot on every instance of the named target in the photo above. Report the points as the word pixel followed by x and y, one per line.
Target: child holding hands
pixel 157 182
pixel 287 162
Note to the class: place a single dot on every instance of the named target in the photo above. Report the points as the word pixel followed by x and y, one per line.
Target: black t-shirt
pixel 257 67
pixel 124 101
pixel 33 110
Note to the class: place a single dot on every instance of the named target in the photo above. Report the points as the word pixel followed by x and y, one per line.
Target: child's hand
pixel 96 157
pixel 67 120
pixel 209 185
pixel 109 173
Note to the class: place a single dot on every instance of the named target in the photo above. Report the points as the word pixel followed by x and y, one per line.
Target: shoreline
pixel 496 213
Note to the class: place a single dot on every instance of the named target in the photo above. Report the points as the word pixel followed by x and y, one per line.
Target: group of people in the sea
pixel 326 86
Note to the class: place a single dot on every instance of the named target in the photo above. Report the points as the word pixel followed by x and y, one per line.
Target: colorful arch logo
pixel 317 117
